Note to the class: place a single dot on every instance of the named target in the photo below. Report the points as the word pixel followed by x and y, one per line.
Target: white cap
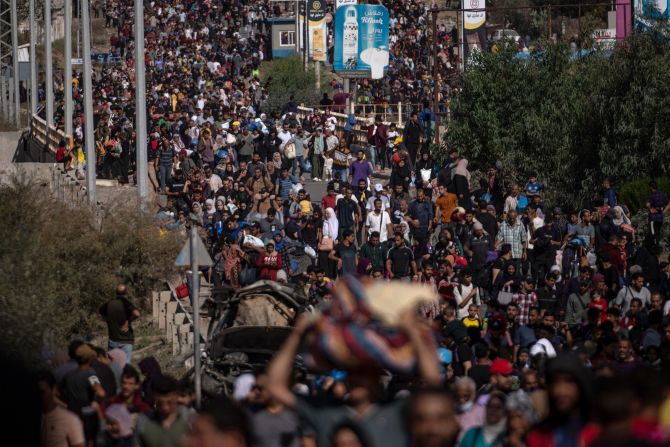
pixel 379 187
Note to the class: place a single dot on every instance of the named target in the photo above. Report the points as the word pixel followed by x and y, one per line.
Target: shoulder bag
pixel 505 296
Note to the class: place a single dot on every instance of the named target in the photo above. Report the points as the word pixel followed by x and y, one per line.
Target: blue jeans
pixel 341 174
pixel 164 172
pixel 125 347
pixel 297 164
pixel 372 154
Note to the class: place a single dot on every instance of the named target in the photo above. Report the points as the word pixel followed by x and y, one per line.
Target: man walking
pixel 119 313
pixel 657 205
pixel 513 233
pixel 421 213
pixel 412 136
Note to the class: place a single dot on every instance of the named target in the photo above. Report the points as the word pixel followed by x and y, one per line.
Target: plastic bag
pixel 307 166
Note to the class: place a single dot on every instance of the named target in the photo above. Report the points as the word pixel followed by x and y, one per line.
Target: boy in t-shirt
pixel 305 204
pixel 533 187
pixel 473 320
pixel 598 302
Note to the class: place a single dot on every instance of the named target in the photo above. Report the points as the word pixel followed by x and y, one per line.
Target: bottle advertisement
pixel 361 41
pixel 649 13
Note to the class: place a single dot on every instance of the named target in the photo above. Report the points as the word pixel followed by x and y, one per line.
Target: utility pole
pixel 33 61
pixel 195 301
pixel 89 141
pixel 68 68
pixel 48 66
pixel 15 64
pixel 461 52
pixel 4 103
pixel 297 27
pixel 141 162
pixel 436 89
pixel 317 72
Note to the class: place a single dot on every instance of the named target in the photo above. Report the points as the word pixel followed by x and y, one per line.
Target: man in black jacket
pixel 412 136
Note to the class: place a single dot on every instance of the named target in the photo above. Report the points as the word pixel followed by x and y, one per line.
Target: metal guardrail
pixel 47 136
pixel 359 129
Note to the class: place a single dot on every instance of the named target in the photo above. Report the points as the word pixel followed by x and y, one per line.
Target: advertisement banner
pixel 604 38
pixel 361 41
pixel 474 31
pixel 318 44
pixel 649 12
pixel 473 19
pixel 316 18
pixel 339 3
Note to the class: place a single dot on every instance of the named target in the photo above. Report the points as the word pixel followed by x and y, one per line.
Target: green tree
pixel 572 122
pixel 285 78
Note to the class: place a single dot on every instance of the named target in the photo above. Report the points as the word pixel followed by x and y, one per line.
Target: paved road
pixel 316 190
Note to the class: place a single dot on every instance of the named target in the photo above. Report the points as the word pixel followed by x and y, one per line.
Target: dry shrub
pixel 59 264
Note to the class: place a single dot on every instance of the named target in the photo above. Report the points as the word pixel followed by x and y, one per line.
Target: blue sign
pixel 648 13
pixel 361 41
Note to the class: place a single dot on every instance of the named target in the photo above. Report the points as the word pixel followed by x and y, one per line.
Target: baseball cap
pixel 183 152
pixel 490 208
pixel 445 356
pixel 379 187
pixel 477 226
pixel 500 366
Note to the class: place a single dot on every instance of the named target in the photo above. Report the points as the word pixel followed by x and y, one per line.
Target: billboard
pixel 473 19
pixel 648 12
pixel 316 18
pixel 474 31
pixel 361 41
pixel 604 38
pixel 317 31
pixel 339 3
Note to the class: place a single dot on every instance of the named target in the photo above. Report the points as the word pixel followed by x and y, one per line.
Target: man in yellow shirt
pixel 445 204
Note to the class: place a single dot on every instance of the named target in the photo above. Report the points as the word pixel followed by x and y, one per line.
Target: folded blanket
pixel 359 329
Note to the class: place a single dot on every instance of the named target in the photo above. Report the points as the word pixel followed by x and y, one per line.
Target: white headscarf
pixel 330 224
pixel 211 210
pixel 623 219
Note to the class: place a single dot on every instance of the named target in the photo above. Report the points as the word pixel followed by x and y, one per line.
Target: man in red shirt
pixel 340 100
pixel 129 394
pixel 330 199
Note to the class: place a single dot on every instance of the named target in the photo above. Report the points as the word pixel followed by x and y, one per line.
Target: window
pixel 287 38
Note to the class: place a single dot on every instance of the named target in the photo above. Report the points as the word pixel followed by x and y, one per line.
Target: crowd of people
pixel 538 313
pixel 203 69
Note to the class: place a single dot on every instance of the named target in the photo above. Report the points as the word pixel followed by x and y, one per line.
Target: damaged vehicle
pixel 249 325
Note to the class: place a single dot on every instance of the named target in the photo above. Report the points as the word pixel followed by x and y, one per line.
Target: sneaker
pixel 316 179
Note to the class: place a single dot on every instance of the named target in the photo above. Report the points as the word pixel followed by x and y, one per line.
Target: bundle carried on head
pixel 359 330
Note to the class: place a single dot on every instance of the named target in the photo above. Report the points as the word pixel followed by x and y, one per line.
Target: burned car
pixel 248 327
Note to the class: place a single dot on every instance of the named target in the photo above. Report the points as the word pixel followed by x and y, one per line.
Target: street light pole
pixel 48 67
pixel 68 68
pixel 436 89
pixel 33 61
pixel 15 64
pixel 141 162
pixel 89 142
pixel 195 301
